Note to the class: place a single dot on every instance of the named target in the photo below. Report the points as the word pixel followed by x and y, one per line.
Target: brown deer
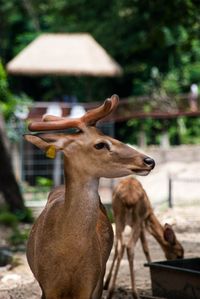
pixel 71 240
pixel 131 207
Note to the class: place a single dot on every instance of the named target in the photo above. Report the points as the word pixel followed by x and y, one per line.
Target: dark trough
pixel 176 279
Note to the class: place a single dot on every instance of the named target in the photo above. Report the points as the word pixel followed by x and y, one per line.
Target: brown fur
pixel 132 207
pixel 71 240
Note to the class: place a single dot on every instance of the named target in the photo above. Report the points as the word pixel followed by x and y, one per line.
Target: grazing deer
pixel 71 240
pixel 131 207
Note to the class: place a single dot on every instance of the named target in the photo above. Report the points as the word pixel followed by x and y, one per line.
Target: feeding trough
pixel 176 279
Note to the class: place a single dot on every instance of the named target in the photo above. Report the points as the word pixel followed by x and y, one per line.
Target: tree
pixel 139 34
pixel 142 35
pixel 8 184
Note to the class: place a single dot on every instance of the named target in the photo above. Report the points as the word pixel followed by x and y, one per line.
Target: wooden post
pixel 170 192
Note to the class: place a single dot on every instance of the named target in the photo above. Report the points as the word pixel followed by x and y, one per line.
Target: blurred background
pixel 65 57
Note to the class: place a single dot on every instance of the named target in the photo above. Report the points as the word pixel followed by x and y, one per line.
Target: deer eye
pixel 101 145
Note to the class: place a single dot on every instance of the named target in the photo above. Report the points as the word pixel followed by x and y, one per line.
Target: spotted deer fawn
pixel 71 240
pixel 131 207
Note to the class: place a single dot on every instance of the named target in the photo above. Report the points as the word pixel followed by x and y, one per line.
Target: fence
pixel 37 173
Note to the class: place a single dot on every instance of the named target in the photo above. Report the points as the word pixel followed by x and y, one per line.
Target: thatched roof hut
pixel 64 54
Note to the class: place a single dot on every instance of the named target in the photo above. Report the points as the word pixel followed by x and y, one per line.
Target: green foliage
pixel 189 130
pixel 12 219
pixel 138 34
pixel 25 215
pixel 110 213
pixel 5 94
pixel 157 45
pixel 18 237
pixel 183 130
pixel 19 233
pixel 152 128
pixel 10 103
pixel 8 218
pixel 14 108
pixel 171 83
pixel 44 182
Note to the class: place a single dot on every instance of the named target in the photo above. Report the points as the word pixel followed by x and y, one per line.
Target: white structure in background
pixel 194 93
pixel 21 112
pixel 164 140
pixel 54 109
pixel 194 89
pixel 77 111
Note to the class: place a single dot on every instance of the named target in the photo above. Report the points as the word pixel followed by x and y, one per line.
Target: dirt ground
pixel 19 283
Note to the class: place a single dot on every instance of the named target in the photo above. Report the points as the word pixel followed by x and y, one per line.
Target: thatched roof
pixel 64 54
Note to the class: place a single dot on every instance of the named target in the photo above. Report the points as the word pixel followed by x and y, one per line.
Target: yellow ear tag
pixel 51 152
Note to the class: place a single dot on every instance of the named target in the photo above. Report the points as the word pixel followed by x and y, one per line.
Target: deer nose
pixel 150 162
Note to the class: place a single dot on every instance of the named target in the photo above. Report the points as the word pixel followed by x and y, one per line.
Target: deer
pixel 71 240
pixel 132 208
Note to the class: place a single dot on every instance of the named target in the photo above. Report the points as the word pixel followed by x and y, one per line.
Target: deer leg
pixel 120 253
pixel 130 254
pixel 98 290
pixel 97 294
pixel 107 282
pixel 145 245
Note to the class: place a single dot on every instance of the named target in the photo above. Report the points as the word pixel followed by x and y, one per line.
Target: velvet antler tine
pixel 55 125
pixel 94 115
pixel 115 101
pixel 91 117
pixel 48 117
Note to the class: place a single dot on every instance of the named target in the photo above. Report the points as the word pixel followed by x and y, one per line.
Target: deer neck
pixel 81 198
pixel 156 229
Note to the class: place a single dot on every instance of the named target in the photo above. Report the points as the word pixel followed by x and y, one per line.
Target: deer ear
pixel 48 148
pixel 169 234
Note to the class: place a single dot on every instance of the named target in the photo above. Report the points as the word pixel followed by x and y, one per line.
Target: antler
pixel 93 116
pixel 90 118
pixel 55 125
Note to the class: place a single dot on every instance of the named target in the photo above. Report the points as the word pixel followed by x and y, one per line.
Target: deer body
pixel 132 208
pixel 71 240
pixel 57 229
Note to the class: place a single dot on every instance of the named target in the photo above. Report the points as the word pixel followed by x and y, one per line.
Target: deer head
pixel 88 150
pixel 174 248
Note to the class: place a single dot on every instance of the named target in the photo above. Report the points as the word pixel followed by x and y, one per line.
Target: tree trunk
pixel 8 184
